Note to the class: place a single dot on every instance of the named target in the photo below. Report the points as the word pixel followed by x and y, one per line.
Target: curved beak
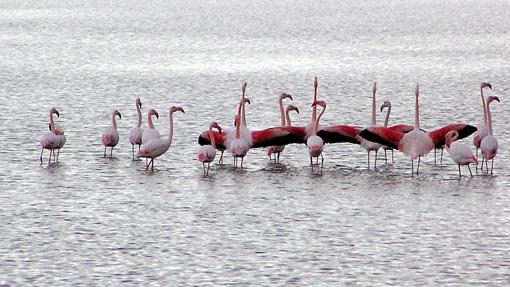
pixel 297 110
pixel 497 99
pixel 180 109
pixel 120 116
pixel 156 114
pixel 140 105
pixel 248 101
pixel 58 114
pixel 382 107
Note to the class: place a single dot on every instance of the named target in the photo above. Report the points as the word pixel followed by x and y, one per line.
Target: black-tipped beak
pixel 157 115
pixel 58 114
pixel 297 110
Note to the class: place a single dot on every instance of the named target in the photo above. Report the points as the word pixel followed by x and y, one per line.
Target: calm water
pixel 106 222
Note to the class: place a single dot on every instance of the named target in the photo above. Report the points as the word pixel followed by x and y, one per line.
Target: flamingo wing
pixel 340 134
pixel 278 136
pixel 203 139
pixel 384 136
pixel 402 128
pixel 438 136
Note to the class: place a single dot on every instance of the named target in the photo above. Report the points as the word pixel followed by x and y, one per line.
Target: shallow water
pixel 94 221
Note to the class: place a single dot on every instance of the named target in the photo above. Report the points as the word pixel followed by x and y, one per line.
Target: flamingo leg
pixel 375 160
pixel 418 166
pixel 469 168
pixel 487 166
pixel 49 159
pixel 322 160
pixel 481 168
pixel 104 155
pixel 111 153
pixel 42 150
pixel 412 166
pixel 242 159
pixel 152 166
pixel 460 175
pixel 311 162
pixel 385 158
pixel 221 158
pixel 278 157
pixel 435 162
pixel 441 161
pixel 368 159
pixel 133 151
pixel 203 167
pixel 392 161
pixel 208 166
pixel 58 154
pixel 492 165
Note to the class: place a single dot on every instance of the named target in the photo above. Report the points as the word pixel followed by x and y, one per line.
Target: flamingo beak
pixel 140 105
pixel 290 97
pixel 58 114
pixel 315 82
pixel 157 115
pixel 497 99
pixel 120 116
pixel 248 101
pixel 297 110
pixel 180 109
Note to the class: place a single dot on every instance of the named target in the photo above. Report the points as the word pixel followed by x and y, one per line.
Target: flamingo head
pixel 374 87
pixel 450 137
pixel 243 88
pixel 417 91
pixel 485 84
pixel 492 98
pixel 215 125
pixel 292 108
pixel 175 109
pixel 153 112
pixel 386 104
pixel 117 113
pixel 285 95
pixel 319 103
pixel 54 111
pixel 315 83
pixel 246 100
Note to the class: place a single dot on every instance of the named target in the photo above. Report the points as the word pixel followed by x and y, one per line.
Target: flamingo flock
pixel 412 141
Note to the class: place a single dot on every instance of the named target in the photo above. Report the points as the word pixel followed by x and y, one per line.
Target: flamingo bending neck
pixel 138 107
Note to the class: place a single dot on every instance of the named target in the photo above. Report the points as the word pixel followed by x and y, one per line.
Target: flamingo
pixel 368 145
pixel 460 153
pixel 59 132
pixel 238 144
pixel 489 144
pixel 417 142
pixel 207 153
pixel 387 104
pixel 314 143
pixel 150 133
pixel 135 135
pixel 310 126
pixel 49 140
pixel 156 147
pixel 110 136
pixel 482 128
pixel 287 115
pixel 277 149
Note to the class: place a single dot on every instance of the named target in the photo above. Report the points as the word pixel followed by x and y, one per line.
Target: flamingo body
pixel 110 137
pixel 489 147
pixel 206 154
pixel 315 146
pixel 135 136
pixel 461 154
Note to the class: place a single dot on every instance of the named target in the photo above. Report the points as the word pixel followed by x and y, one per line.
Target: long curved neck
pixel 489 118
pixel 282 113
pixel 149 119
pixel 139 123
pixel 211 137
pixel 417 114
pixel 287 115
pixel 238 129
pixel 240 109
pixel 170 128
pixel 314 108
pixel 114 122
pixel 316 125
pixel 373 123
pixel 52 124
pixel 484 107
pixel 387 117
pixel 243 121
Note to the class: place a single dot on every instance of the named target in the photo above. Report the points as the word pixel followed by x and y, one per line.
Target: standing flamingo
pixel 482 130
pixel 135 135
pixel 278 149
pixel 489 144
pixel 310 126
pixel 314 143
pixel 387 104
pixel 238 143
pixel 59 132
pixel 156 147
pixel 49 140
pixel 417 142
pixel 150 133
pixel 460 152
pixel 369 145
pixel 207 153
pixel 110 136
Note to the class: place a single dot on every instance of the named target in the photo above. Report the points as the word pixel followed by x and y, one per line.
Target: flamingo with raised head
pixel 237 142
pixel 460 153
pixel 49 140
pixel 150 133
pixel 489 144
pixel 110 137
pixel 369 145
pixel 417 142
pixel 482 130
pixel 310 126
pixel 207 153
pixel 135 135
pixel 387 104
pixel 278 149
pixel 314 143
pixel 156 147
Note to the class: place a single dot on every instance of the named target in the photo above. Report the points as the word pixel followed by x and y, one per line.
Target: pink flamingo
pixel 387 104
pixel 310 126
pixel 489 144
pixel 59 132
pixel 49 140
pixel 156 147
pixel 110 136
pixel 278 149
pixel 460 153
pixel 135 135
pixel 150 133
pixel 368 145
pixel 417 142
pixel 207 153
pixel 482 130
pixel 238 143
pixel 314 143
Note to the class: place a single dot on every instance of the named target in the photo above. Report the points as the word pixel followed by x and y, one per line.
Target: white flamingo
pixel 460 153
pixel 110 137
pixel 49 140
pixel 156 147
pixel 369 145
pixel 150 133
pixel 278 149
pixel 207 153
pixel 489 144
pixel 135 135
pixel 239 143
pixel 481 130
pixel 387 104
pixel 314 143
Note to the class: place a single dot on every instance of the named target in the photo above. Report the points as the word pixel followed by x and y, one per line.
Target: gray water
pixel 106 222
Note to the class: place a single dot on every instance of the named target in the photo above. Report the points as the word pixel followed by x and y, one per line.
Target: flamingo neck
pixel 211 137
pixel 114 122
pixel 170 128
pixel 314 108
pixel 373 123
pixel 52 124
pixel 238 129
pixel 287 115
pixel 243 122
pixel 484 107
pixel 139 123
pixel 151 125
pixel 240 109
pixel 417 114
pixel 489 118
pixel 387 117
pixel 316 125
pixel 282 113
